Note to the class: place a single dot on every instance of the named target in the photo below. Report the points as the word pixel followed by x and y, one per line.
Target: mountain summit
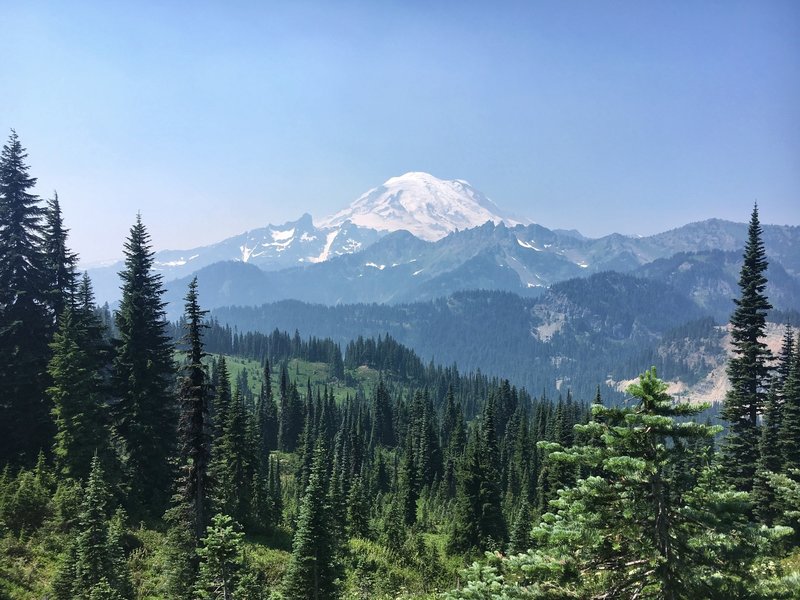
pixel 428 207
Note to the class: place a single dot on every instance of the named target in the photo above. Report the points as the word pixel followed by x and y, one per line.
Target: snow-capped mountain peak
pixel 428 207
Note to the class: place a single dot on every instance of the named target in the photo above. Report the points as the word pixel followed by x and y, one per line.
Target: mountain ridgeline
pixel 417 237
pixel 576 335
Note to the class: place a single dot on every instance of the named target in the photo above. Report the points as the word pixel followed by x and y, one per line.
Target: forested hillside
pixel 247 465
pixel 579 334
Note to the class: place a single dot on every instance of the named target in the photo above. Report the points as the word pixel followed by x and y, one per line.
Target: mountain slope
pixel 578 333
pixel 428 207
pixel 524 259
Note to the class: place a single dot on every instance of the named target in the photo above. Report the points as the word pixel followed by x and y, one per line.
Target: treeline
pixel 656 511
pixel 573 336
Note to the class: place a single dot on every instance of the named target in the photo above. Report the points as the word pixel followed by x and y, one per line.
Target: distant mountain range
pixel 418 238
pixel 594 330
pixel 441 268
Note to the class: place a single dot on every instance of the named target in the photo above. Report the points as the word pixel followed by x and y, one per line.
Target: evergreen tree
pixel 266 418
pixel 143 372
pixel 632 531
pixel 222 399
pixel 60 260
pixel 788 436
pixel 221 560
pixel 748 370
pixel 77 395
pixel 769 461
pixel 313 569
pixel 382 418
pixel 275 490
pixel 478 522
pixel 189 514
pixel 409 483
pixel 99 561
pixel 233 465
pixel 26 323
pixel 194 425
pixel 521 531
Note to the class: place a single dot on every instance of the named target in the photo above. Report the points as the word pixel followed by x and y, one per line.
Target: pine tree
pixel 222 399
pixel 77 395
pixel 26 323
pixel 382 419
pixel 409 483
pixel 221 560
pixel 521 531
pixel 313 568
pixel 61 261
pixel 788 436
pixel 189 515
pixel 194 423
pixel 633 528
pixel 769 461
pixel 99 561
pixel 266 418
pixel 143 373
pixel 233 464
pixel 478 521
pixel 275 490
pixel 748 370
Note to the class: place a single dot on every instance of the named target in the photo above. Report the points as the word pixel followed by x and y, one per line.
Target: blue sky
pixel 213 118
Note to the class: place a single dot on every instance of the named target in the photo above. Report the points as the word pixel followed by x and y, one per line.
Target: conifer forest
pixel 147 458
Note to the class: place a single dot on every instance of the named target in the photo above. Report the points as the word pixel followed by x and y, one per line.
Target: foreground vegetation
pixel 281 467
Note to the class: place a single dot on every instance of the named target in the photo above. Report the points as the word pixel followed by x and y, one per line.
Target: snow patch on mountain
pixel 428 207
pixel 326 251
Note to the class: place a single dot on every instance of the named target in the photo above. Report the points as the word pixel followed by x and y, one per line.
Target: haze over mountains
pixel 430 261
pixel 417 237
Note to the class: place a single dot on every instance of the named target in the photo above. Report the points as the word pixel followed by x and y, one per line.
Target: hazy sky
pixel 213 118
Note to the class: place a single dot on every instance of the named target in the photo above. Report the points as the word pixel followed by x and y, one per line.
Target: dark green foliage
pixel 26 321
pixel 789 430
pixel 61 261
pixel 77 393
pixel 24 499
pixel 521 531
pixel 382 418
pixel 748 370
pixel 194 423
pixel 143 374
pixel 190 512
pixel 233 463
pixel 266 418
pixel 275 490
pixel 478 522
pixel 313 570
pixel 769 461
pixel 634 530
pixel 96 563
pixel 221 560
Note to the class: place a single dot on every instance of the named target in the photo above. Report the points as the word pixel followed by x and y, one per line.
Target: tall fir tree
pixel 189 514
pixel 748 370
pixel 788 439
pixel 77 394
pixel 95 563
pixel 143 377
pixel 194 423
pixel 60 260
pixel 26 323
pixel 266 418
pixel 233 463
pixel 313 569
pixel 221 561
